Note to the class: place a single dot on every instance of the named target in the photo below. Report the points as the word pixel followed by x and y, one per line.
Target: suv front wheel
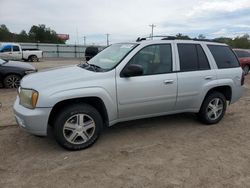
pixel 78 127
pixel 213 108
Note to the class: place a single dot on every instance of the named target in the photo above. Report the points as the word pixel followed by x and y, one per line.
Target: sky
pixel 125 20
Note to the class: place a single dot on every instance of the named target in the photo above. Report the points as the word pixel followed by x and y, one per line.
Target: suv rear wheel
pixel 78 126
pixel 213 108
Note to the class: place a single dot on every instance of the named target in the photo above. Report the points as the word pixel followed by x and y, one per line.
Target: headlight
pixel 30 71
pixel 28 98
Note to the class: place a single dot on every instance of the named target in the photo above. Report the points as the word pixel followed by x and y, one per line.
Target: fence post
pixel 75 52
pixel 57 50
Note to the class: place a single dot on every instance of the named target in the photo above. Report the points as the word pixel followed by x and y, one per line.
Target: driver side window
pixel 154 59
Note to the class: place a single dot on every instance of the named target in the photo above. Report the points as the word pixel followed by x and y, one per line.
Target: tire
pixel 70 126
pixel 246 70
pixel 12 81
pixel 33 58
pixel 213 108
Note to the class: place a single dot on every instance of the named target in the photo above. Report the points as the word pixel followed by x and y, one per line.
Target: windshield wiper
pixel 93 66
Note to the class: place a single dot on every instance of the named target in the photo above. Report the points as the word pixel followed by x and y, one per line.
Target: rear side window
pixel 224 56
pixel 192 57
pixel 16 49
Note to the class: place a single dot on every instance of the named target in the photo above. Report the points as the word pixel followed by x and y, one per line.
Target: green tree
pixel 183 37
pixel 5 34
pixel 201 36
pixel 241 42
pixel 43 34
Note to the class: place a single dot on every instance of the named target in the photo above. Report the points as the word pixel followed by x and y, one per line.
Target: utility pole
pixel 84 38
pixel 107 39
pixel 152 31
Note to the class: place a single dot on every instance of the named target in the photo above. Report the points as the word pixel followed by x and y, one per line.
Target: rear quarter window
pixel 224 56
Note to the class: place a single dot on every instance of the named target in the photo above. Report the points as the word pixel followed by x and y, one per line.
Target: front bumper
pixel 34 121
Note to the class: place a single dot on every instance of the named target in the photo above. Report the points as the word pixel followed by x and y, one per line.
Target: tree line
pixel 39 33
pixel 44 34
pixel 237 42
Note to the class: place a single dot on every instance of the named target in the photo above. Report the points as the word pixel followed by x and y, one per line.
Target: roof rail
pixel 156 36
pixel 165 37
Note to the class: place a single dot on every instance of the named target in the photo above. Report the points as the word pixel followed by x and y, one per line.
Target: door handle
pixel 168 82
pixel 208 77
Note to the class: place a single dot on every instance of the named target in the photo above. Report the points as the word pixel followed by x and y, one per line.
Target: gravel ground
pixel 169 151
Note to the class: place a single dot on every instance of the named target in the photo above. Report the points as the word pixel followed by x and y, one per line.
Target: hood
pixel 19 64
pixel 58 79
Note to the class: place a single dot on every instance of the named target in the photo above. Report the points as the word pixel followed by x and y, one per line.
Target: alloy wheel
pixel 215 109
pixel 12 81
pixel 79 128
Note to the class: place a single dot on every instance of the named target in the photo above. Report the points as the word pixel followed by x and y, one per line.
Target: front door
pixel 6 52
pixel 16 53
pixel 154 92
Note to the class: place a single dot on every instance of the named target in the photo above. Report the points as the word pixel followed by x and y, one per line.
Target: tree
pixel 5 34
pixel 181 36
pixel 241 42
pixel 45 35
pixel 23 37
pixel 201 36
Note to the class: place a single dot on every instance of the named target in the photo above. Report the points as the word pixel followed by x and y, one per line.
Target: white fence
pixel 58 50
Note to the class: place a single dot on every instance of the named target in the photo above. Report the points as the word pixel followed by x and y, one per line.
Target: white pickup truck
pixel 13 51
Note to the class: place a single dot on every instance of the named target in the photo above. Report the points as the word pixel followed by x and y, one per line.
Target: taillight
pixel 242 78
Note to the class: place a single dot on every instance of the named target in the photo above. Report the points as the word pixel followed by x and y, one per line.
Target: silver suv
pixel 128 81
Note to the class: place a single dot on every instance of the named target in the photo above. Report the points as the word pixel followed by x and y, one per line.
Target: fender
pixel 211 85
pixel 99 92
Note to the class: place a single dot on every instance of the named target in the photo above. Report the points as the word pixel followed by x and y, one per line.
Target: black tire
pixel 12 81
pixel 246 70
pixel 205 109
pixel 67 115
pixel 33 58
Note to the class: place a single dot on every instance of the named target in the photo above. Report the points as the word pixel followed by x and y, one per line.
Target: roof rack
pixel 156 36
pixel 165 37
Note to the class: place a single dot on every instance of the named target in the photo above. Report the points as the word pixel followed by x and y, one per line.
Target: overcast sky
pixel 125 20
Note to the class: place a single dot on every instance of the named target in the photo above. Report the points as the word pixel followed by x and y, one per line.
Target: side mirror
pixel 132 70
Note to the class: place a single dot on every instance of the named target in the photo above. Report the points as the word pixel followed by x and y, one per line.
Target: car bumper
pixel 34 121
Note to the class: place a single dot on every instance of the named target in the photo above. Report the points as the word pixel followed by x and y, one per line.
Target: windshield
pixel 112 55
pixel 2 61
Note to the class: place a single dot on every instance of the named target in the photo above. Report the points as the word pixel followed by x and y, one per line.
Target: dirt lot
pixel 170 151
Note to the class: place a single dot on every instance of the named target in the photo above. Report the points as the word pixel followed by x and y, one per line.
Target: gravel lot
pixel 169 151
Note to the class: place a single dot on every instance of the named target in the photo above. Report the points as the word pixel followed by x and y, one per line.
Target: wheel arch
pixel 96 102
pixel 226 90
pixel 29 57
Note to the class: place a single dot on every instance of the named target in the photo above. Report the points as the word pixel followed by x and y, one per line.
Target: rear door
pixel 194 73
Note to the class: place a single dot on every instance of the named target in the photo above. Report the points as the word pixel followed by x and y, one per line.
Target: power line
pixel 152 30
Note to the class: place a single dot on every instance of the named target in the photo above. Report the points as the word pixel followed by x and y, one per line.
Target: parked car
pixel 244 57
pixel 90 52
pixel 15 52
pixel 11 72
pixel 129 81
